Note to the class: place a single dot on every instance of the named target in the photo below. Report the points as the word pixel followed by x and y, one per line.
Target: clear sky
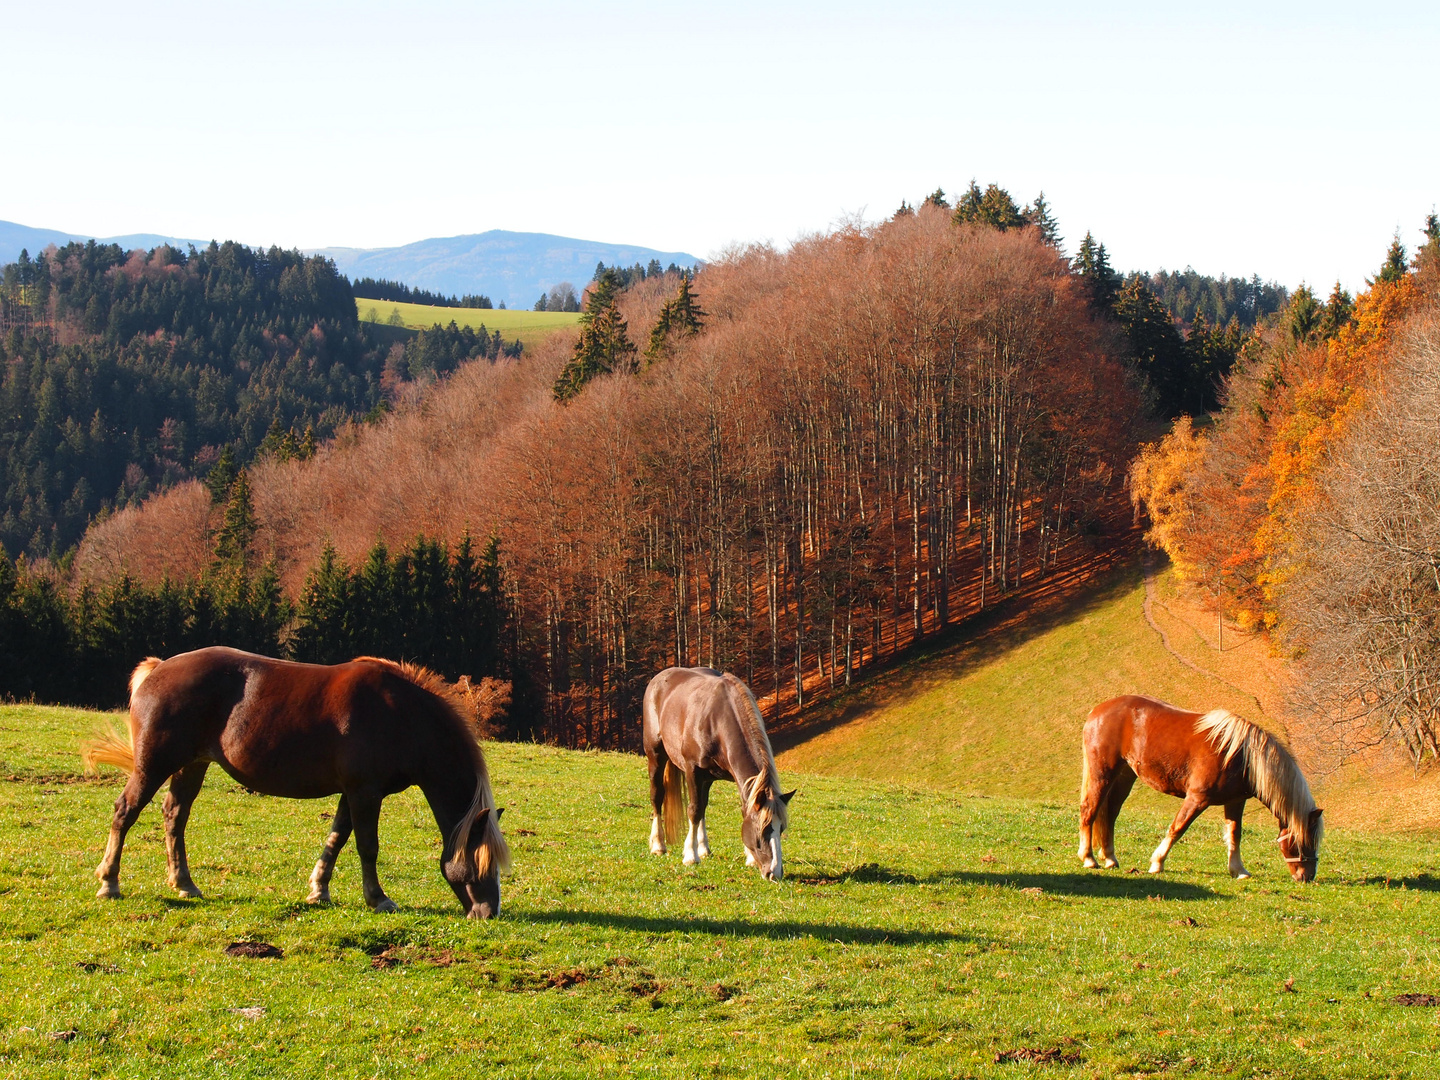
pixel 1284 139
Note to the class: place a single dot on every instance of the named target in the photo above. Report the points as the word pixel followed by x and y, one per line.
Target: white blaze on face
pixel 777 863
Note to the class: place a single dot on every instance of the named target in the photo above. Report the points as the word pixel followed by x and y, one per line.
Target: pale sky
pixel 1284 139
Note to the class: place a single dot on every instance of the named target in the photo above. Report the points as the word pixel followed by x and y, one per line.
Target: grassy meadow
pixel 924 929
pixel 528 326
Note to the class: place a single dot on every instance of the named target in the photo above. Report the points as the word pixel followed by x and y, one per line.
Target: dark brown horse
pixel 701 726
pixel 1212 759
pixel 366 729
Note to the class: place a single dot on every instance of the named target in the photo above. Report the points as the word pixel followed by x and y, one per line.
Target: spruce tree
pixel 1092 264
pixel 937 198
pixel 221 475
pixel 1338 310
pixel 604 344
pixel 680 317
pixel 1038 214
pixel 239 526
pixel 1395 262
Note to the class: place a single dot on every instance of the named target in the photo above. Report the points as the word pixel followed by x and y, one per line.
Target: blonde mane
pixel 492 852
pixel 1271 770
pixel 761 792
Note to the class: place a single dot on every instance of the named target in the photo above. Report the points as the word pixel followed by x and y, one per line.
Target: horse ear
pixel 1315 815
pixel 498 811
pixel 788 796
pixel 477 829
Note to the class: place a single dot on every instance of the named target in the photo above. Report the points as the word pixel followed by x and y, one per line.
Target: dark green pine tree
pixel 906 210
pixel 239 526
pixel 1100 281
pixel 1038 214
pixel 1338 310
pixel 680 317
pixel 993 207
pixel 221 475
pixel 1303 315
pixel 937 198
pixel 604 345
pixel 324 631
pixel 1157 348
pixel 1395 262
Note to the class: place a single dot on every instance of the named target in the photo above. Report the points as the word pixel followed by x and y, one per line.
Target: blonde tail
pixel 674 802
pixel 111 747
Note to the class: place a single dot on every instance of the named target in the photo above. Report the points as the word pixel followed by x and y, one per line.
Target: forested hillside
pixel 1310 505
pixel 124 373
pixel 792 466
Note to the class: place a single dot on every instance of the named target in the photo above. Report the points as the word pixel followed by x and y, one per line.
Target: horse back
pixel 1157 740
pixel 680 711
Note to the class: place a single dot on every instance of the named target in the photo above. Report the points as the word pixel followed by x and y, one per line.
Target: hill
pixel 529 327
pixel 15 238
pixel 917 933
pixel 515 267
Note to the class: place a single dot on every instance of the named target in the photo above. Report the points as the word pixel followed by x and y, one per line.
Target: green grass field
pixel 529 326
pixel 918 933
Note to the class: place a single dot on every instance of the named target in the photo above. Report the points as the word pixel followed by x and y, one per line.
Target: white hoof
pixel 1240 875
pixel 1111 864
pixel 1157 867
pixel 1089 863
pixel 690 859
pixel 657 849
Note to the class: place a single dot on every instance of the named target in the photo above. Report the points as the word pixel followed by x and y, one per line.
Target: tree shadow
pixel 974 642
pixel 776 931
pixel 1420 882
pixel 1108 885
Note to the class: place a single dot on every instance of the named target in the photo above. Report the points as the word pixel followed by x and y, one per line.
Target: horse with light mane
pixel 1206 759
pixel 366 729
pixel 701 726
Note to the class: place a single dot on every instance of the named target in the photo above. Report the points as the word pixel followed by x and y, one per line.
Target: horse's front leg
pixel 1190 809
pixel 1234 811
pixel 702 800
pixel 340 827
pixel 365 813
pixel 697 819
pixel 184 786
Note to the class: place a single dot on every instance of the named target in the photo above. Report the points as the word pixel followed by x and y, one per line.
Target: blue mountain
pixel 514 267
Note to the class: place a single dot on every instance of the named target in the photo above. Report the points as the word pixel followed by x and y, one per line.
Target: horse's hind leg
pixel 325 866
pixel 1234 811
pixel 1120 788
pixel 365 813
pixel 1092 798
pixel 184 786
pixel 1189 810
pixel 139 790
pixel 697 818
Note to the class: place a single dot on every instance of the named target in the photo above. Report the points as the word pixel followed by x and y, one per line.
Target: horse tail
pixel 1084 771
pixel 109 746
pixel 674 802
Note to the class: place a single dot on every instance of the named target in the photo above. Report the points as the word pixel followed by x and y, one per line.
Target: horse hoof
pixel 1111 864
pixel 189 892
pixel 384 906
pixel 690 859
pixel 1241 876
pixel 109 890
pixel 656 850
pixel 1090 864
pixel 318 898
pixel 1156 868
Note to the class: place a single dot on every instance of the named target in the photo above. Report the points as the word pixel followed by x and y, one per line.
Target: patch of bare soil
pixel 255 950
pixel 1427 1000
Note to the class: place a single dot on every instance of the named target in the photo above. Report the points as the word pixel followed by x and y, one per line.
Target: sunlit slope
pixel 529 326
pixel 1001 713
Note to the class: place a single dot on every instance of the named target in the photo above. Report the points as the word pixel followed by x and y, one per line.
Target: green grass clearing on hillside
pixel 528 326
pixel 917 934
pixel 1000 713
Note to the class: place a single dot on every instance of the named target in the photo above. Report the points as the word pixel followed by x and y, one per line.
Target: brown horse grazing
pixel 1209 759
pixel 701 726
pixel 365 729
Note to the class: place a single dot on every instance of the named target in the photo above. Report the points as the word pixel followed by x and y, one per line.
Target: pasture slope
pixel 924 929
pixel 531 327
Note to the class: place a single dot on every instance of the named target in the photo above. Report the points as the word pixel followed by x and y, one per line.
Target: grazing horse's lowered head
pixel 765 813
pixel 474 855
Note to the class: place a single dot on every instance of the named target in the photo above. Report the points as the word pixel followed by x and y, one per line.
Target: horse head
pixel 472 864
pixel 763 823
pixel 1301 854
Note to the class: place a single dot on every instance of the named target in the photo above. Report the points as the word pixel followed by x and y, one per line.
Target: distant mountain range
pixel 513 267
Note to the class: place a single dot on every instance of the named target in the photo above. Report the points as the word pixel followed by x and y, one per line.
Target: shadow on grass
pixel 1106 884
pixel 777 931
pixel 1420 882
pixel 974 642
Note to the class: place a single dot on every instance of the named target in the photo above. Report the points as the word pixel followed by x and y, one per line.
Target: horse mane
pixel 493 852
pixel 762 791
pixel 1270 768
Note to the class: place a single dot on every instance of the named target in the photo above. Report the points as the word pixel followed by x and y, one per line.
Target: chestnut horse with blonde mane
pixel 701 726
pixel 1214 758
pixel 366 729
